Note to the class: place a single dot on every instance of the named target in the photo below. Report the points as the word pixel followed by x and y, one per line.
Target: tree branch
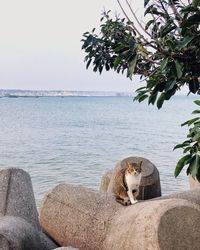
pixel 139 23
pixel 175 11
pixel 135 29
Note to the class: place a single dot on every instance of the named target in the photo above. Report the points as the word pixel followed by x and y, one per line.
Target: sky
pixel 40 45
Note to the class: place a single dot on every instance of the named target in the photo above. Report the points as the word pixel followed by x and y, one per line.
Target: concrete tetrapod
pixel 91 220
pixel 150 182
pixel 18 212
pixel 66 248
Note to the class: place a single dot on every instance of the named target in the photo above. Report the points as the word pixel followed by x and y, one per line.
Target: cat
pixel 126 183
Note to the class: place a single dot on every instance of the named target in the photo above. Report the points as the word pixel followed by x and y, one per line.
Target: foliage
pixel 165 52
pixel 191 148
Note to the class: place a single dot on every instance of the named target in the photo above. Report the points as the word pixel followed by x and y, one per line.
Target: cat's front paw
pixel 134 201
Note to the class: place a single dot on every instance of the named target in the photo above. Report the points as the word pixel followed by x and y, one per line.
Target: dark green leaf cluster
pixel 167 56
pixel 114 48
pixel 191 148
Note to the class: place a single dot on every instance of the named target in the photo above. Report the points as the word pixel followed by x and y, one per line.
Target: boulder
pixel 75 216
pixel 189 195
pixel 18 234
pixel 193 182
pixel 18 213
pixel 16 195
pixel 66 248
pixel 150 182
pixel 93 220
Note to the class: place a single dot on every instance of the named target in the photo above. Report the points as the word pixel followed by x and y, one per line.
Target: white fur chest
pixel 133 181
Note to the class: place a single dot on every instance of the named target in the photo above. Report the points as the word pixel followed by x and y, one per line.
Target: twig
pixel 163 7
pixel 176 14
pixel 138 32
pixel 139 23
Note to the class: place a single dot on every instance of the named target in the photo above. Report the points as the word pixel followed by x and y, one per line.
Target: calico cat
pixel 126 183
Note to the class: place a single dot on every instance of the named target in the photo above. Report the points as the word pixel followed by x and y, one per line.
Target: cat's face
pixel 134 168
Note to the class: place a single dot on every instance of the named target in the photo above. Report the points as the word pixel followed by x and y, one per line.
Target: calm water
pixel 76 139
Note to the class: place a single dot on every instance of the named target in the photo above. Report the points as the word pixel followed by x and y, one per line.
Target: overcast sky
pixel 40 45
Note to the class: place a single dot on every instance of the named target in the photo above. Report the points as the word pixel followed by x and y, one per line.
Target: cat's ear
pixel 139 164
pixel 128 164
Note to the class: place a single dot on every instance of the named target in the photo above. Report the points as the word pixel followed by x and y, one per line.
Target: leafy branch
pixel 191 148
pixel 165 52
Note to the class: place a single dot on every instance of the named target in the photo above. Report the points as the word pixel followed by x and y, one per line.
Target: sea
pixel 77 139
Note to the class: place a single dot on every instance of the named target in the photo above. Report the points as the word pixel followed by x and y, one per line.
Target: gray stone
pixel 92 220
pixel 150 182
pixel 16 195
pixel 18 213
pixel 18 234
pixel 46 241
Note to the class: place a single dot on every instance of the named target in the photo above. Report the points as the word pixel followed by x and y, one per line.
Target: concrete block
pixel 193 182
pixel 150 183
pixel 74 216
pixel 66 248
pixel 92 220
pixel 17 234
pixel 16 195
pixel 18 213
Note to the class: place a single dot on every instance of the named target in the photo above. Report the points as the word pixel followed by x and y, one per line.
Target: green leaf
pixel 153 98
pixel 182 145
pixel 88 63
pixel 182 44
pixel 146 2
pixel 194 19
pixel 170 85
pixel 187 149
pixel 196 112
pixel 142 98
pixel 196 137
pixel 167 29
pixel 194 166
pixel 117 61
pixel 189 122
pixel 152 10
pixel 196 3
pixel 194 85
pixel 149 23
pixel 131 67
pixel 197 102
pixel 181 163
pixel 161 100
pixel 163 64
pixel 188 8
pixel 179 71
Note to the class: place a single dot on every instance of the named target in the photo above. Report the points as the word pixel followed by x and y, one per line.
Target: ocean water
pixel 77 139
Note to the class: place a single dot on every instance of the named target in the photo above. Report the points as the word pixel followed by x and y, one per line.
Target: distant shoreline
pixel 57 93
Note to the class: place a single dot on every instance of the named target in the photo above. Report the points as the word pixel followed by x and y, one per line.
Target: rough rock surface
pixel 91 220
pixel 18 213
pixel 193 182
pixel 16 195
pixel 19 234
pixel 150 182
pixel 76 216
pixel 66 248
pixel 190 195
